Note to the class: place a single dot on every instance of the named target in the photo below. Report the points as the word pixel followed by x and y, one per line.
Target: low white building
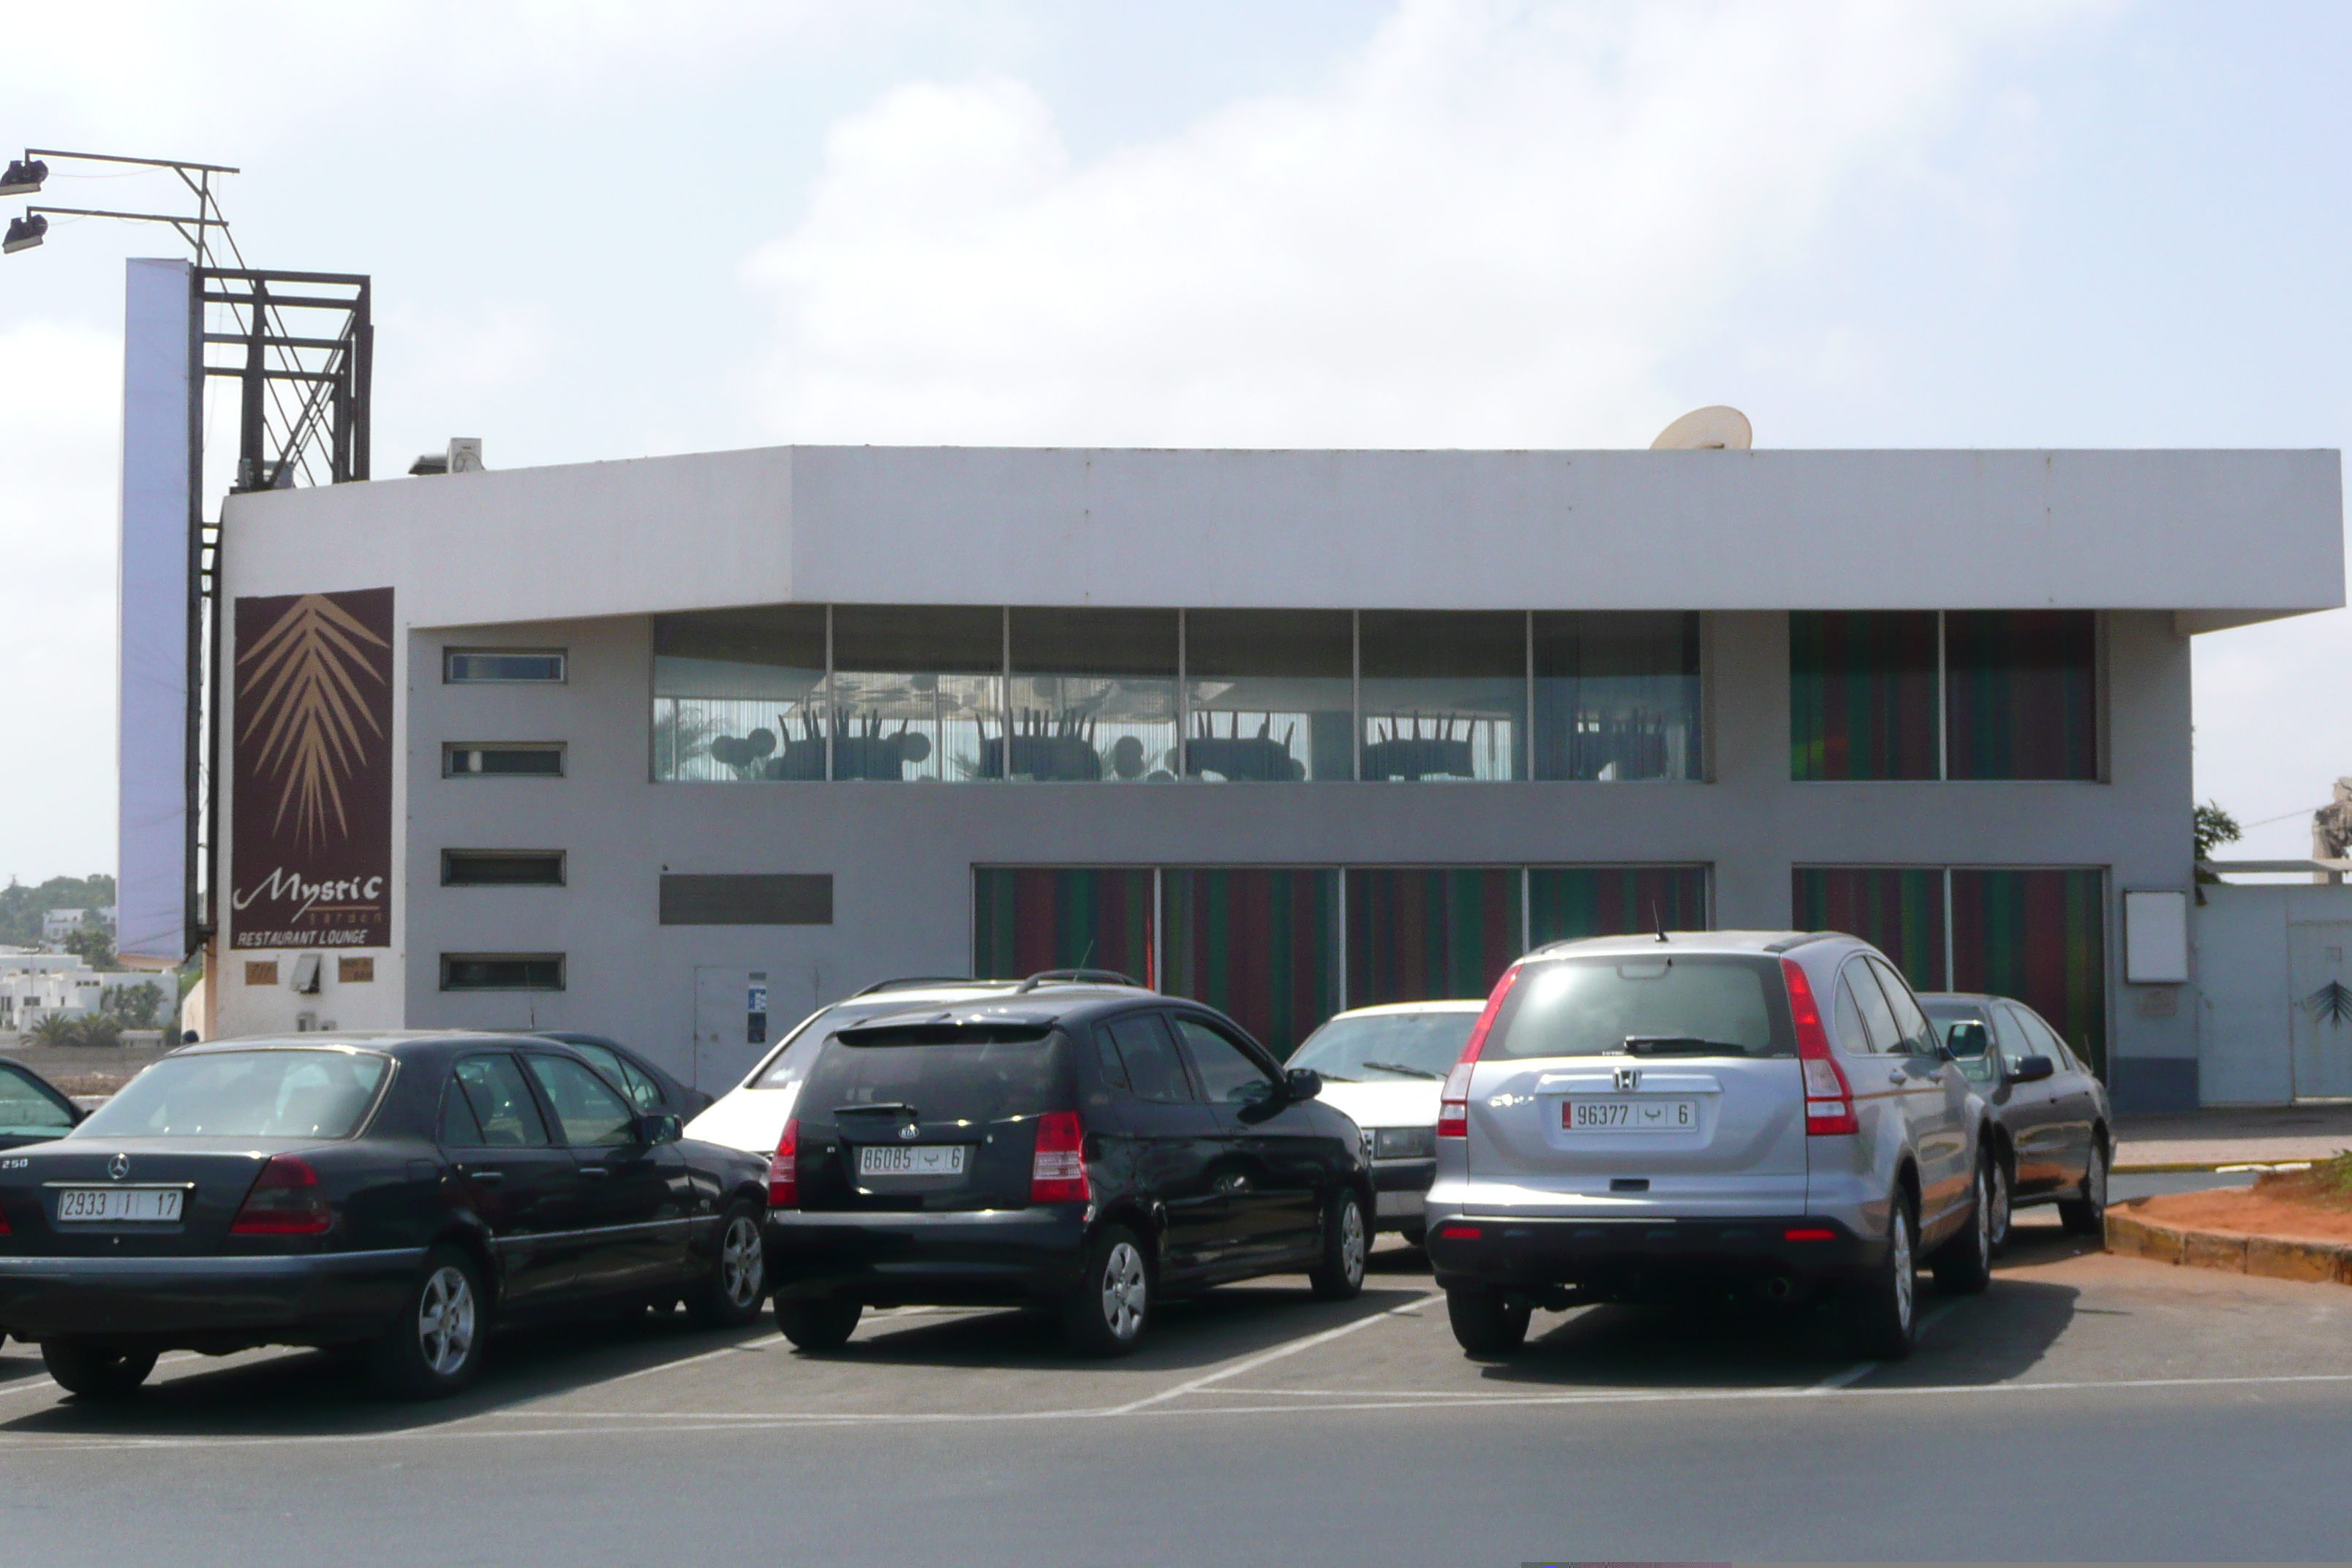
pixel 36 985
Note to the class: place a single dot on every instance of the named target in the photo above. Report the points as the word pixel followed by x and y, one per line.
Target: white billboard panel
pixel 159 447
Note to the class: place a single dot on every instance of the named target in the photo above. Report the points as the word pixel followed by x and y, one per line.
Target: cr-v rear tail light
pixel 1829 1098
pixel 785 1169
pixel 1453 1100
pixel 1058 1173
pixel 285 1201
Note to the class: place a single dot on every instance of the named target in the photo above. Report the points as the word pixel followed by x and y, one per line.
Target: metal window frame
pixel 449 749
pixel 557 959
pixel 451 859
pixel 450 654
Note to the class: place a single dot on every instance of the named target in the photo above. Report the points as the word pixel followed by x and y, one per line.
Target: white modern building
pixel 35 985
pixel 675 749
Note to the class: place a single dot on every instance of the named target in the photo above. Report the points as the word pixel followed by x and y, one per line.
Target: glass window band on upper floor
pixel 957 693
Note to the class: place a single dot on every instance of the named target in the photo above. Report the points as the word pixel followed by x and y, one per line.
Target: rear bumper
pixel 1624 1254
pixel 991 1258
pixel 317 1298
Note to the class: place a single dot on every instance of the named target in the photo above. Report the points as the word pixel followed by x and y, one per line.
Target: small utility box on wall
pixel 2156 937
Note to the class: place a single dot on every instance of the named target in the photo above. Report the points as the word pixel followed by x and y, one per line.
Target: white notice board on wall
pixel 2156 937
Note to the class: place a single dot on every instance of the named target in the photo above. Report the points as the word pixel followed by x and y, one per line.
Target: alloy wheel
pixel 1907 1282
pixel 1998 1178
pixel 444 1320
pixel 2095 1180
pixel 1984 1216
pixel 742 1264
pixel 1123 1291
pixel 1352 1240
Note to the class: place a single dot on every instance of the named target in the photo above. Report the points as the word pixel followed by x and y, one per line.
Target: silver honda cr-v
pixel 1763 1111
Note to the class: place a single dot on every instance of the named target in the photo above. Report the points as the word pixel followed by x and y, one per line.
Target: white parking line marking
pixel 1845 1379
pixel 674 1366
pixel 1252 1363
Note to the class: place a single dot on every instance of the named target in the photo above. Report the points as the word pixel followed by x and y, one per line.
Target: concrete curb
pixel 2268 1256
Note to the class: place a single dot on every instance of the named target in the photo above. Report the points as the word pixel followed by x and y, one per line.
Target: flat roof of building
pixel 2221 537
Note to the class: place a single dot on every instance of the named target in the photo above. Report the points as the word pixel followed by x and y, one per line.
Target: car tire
pixel 1107 1313
pixel 1347 1242
pixel 1884 1307
pixel 434 1347
pixel 729 1293
pixel 2004 1202
pixel 2086 1214
pixel 96 1371
pixel 1963 1265
pixel 823 1325
pixel 1487 1321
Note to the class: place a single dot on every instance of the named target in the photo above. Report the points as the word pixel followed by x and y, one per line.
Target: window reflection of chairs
pixel 1258 758
pixel 1438 754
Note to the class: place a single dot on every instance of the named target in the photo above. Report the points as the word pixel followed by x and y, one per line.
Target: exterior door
pixel 1175 1137
pixel 1272 1183
pixel 634 1200
pixel 524 1185
pixel 2319 1008
pixel 740 1013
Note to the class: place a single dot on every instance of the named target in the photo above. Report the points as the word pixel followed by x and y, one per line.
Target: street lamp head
pixel 24 177
pixel 24 232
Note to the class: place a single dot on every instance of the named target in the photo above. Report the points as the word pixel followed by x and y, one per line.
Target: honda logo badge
pixel 1628 1078
pixel 120 1168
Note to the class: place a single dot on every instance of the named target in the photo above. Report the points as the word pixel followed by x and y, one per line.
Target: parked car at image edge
pixel 1089 1148
pixel 32 1109
pixel 1635 1117
pixel 2053 1141
pixel 1384 1067
pixel 394 1196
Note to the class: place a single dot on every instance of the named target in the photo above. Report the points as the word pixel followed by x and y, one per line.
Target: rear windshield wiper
pixel 878 1107
pixel 1680 1046
pixel 1402 1071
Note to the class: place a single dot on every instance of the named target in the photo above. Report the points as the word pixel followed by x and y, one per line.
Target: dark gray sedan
pixel 2055 1127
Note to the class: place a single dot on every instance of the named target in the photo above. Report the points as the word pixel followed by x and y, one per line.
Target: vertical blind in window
pixel 1862 694
pixel 1027 918
pixel 1259 945
pixel 1899 909
pixel 1616 695
pixel 1567 903
pixel 2038 935
pixel 2021 693
pixel 1421 934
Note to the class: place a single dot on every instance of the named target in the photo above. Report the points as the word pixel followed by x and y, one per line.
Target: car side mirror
pixel 2032 1069
pixel 659 1127
pixel 1967 1041
pixel 1302 1083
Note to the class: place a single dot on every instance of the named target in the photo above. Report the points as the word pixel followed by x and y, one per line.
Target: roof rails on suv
pixel 911 982
pixel 1020 987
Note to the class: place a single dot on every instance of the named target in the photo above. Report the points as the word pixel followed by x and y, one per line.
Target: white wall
pixel 2243 939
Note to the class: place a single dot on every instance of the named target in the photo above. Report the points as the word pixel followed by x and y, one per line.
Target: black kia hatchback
pixel 1090 1150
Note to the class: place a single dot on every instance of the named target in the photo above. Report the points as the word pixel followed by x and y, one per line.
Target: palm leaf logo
pixel 2331 1004
pixel 301 692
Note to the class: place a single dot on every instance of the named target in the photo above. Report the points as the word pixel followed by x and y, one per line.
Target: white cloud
pixel 1492 228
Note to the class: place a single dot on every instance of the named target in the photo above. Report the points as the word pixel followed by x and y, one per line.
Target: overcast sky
pixel 603 230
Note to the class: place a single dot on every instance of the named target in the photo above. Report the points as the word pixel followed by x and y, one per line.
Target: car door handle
pixel 487 1176
pixel 595 1171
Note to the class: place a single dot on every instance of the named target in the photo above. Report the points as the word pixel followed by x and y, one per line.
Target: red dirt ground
pixel 2299 1205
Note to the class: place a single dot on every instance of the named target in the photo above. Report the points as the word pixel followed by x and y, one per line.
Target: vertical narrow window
pixel 1260 945
pixel 2038 935
pixel 1271 694
pixel 1617 695
pixel 1026 919
pixel 1862 694
pixel 1094 696
pixel 1568 902
pixel 1422 934
pixel 2022 694
pixel 1899 909
pixel 739 694
pixel 918 692
pixel 1444 694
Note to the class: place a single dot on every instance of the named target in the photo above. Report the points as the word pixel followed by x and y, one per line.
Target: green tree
pixel 2214 828
pixel 21 908
pixel 93 944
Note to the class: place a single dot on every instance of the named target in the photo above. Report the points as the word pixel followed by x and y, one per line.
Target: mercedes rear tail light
pixel 785 1169
pixel 285 1201
pixel 1058 1173
pixel 1453 1100
pixel 1829 1098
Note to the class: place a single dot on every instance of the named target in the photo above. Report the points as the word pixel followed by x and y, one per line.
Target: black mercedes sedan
pixel 391 1195
pixel 1089 1148
pixel 2053 1130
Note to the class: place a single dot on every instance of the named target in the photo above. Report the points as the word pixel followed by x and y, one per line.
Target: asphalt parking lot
pixel 2086 1407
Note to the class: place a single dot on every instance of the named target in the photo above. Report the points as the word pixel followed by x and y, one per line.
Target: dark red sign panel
pixel 310 771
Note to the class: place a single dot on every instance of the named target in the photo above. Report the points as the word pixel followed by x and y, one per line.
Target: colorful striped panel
pixel 2041 937
pixel 1862 694
pixel 1026 919
pixel 1899 909
pixel 1261 946
pixel 1420 935
pixel 2022 689
pixel 1564 902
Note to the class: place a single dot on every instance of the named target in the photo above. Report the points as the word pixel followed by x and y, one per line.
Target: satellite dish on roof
pixel 1712 428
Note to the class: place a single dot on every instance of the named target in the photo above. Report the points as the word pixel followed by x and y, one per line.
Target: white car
pixel 752 1114
pixel 1384 1067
